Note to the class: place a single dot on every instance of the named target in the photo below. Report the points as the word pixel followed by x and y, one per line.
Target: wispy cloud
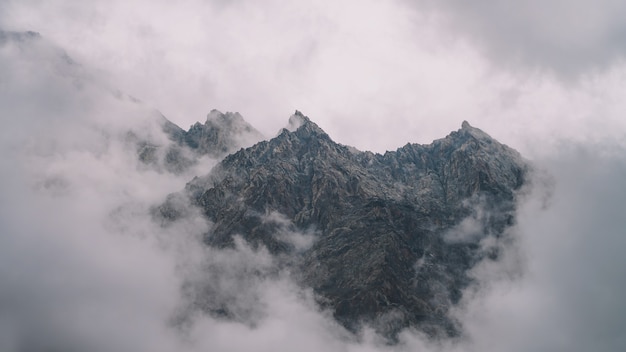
pixel 568 38
pixel 83 267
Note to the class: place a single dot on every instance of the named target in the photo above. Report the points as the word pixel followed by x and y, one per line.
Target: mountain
pixel 220 135
pixel 385 240
pixel 159 143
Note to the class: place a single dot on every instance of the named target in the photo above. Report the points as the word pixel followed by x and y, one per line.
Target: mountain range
pixel 383 240
pixel 387 240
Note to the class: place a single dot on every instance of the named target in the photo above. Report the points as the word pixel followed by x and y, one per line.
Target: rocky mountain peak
pixel 220 135
pixel 373 217
pixel 296 121
pixel 217 118
pixel 303 126
pixel 468 131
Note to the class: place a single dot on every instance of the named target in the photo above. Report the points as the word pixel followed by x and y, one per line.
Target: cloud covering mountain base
pixel 84 267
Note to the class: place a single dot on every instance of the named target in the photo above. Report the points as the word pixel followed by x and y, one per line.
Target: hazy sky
pixel 374 74
pixel 78 254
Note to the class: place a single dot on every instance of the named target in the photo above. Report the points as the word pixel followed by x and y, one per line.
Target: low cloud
pixel 84 267
pixel 567 298
pixel 568 38
pixel 374 75
pixel 287 232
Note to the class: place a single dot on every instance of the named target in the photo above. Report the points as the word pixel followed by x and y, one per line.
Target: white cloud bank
pixel 83 267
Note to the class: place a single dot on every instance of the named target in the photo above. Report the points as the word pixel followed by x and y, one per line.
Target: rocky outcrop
pixel 393 235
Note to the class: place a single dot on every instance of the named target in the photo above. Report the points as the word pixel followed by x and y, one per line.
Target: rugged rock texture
pixel 394 234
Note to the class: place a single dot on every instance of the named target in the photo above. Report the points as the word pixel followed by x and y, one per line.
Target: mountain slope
pixel 392 236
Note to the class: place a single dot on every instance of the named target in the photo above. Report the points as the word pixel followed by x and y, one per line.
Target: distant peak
pixel 467 129
pixel 214 113
pixel 296 121
pixel 218 117
pixel 302 125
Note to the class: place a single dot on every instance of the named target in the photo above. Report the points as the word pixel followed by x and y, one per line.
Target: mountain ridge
pixel 220 135
pixel 372 217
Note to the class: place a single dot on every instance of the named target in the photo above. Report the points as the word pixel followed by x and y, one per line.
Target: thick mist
pixel 83 266
pixel 374 75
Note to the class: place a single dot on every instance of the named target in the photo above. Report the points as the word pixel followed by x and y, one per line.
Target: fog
pixel 84 267
pixel 567 38
pixel 372 74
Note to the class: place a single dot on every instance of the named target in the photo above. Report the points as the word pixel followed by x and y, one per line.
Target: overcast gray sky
pixel 373 74
pixel 547 78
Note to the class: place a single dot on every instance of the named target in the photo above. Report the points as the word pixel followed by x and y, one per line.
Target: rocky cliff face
pixel 385 240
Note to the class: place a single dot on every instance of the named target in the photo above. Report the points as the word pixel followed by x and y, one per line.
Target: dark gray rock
pixel 394 234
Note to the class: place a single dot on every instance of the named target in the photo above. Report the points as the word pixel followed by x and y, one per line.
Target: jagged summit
pixel 296 121
pixel 221 134
pixel 374 218
pixel 302 125
pixel 229 118
pixel 474 131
